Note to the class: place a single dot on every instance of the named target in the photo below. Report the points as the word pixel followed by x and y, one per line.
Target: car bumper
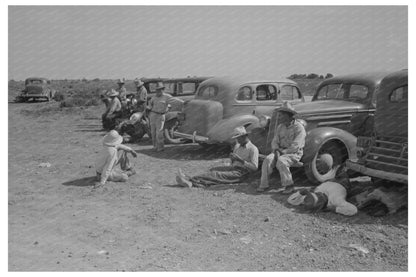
pixel 391 176
pixel 34 96
pixel 194 137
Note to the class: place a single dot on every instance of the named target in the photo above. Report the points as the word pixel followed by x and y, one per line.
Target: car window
pixel 245 94
pixel 358 91
pixel 208 92
pixel 187 87
pixel 288 93
pixel 169 88
pixel 36 82
pixel 296 93
pixel 399 95
pixel 331 91
pixel 266 93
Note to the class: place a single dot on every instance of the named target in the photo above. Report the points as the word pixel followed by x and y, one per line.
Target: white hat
pixel 138 82
pixel 121 81
pixel 239 131
pixel 287 107
pixel 296 199
pixel 160 85
pixel 112 139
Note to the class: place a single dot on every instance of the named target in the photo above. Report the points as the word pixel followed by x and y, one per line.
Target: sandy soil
pixel 58 223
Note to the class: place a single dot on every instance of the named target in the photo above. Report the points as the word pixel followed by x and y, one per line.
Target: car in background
pixel 223 103
pixel 36 88
pixel 384 153
pixel 341 109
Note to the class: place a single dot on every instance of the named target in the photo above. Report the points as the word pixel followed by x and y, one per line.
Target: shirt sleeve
pixel 276 142
pixel 298 142
pixel 124 147
pixel 108 167
pixel 253 164
pixel 113 107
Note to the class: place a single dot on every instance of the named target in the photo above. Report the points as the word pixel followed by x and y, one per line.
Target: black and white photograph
pixel 207 138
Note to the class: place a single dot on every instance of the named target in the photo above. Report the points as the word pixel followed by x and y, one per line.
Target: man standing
pixel 287 149
pixel 122 91
pixel 158 107
pixel 141 95
pixel 113 110
pixel 244 160
pixel 113 153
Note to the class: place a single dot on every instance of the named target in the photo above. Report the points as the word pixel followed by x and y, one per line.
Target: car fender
pixel 222 131
pixel 319 136
pixel 171 115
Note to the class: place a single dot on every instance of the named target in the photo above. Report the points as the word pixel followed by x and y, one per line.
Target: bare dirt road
pixel 58 223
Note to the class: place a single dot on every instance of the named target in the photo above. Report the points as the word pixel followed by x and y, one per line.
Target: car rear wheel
pixel 326 162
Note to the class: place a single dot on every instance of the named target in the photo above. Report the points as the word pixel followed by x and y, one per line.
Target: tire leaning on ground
pixel 326 162
pixel 170 127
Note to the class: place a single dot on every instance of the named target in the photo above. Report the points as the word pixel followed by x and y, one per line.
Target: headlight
pixel 264 121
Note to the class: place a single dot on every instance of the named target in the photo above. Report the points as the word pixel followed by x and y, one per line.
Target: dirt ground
pixel 58 223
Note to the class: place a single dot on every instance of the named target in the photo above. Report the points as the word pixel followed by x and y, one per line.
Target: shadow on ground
pixel 82 182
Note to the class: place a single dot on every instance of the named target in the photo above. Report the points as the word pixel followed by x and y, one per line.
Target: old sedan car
pixel 36 88
pixel 342 108
pixel 384 154
pixel 223 103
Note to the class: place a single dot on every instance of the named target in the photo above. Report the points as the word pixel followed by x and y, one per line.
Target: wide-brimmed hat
pixel 315 201
pixel 112 139
pixel 121 81
pixel 112 92
pixel 160 85
pixel 296 199
pixel 287 107
pixel 138 82
pixel 239 131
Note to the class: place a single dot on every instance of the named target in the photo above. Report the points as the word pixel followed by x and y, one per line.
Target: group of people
pixel 155 109
pixel 287 150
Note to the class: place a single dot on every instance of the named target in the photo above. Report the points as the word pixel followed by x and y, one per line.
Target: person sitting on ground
pixel 330 195
pixel 113 110
pixel 244 160
pixel 287 149
pixel 112 154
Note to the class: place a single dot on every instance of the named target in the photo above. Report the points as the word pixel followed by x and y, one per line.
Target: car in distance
pixel 36 88
pixel 341 109
pixel 223 103
pixel 384 153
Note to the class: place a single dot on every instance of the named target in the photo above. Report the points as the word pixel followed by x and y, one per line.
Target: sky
pixel 108 42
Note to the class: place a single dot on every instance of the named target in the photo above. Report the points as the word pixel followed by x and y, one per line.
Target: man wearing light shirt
pixel 287 149
pixel 112 154
pixel 244 161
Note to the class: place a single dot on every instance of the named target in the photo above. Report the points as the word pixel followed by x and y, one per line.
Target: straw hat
pixel 112 139
pixel 160 85
pixel 287 107
pixel 239 131
pixel 121 81
pixel 138 82
pixel 296 199
pixel 113 92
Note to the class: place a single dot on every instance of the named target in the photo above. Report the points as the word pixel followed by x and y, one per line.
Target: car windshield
pixel 351 92
pixel 207 92
pixel 35 82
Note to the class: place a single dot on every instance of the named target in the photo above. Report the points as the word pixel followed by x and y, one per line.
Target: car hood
pixel 326 106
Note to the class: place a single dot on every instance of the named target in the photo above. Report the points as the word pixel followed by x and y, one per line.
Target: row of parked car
pixel 371 107
pixel 357 120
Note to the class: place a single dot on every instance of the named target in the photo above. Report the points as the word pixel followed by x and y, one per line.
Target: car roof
pixel 365 77
pixel 35 78
pixel 182 79
pixel 401 74
pixel 235 80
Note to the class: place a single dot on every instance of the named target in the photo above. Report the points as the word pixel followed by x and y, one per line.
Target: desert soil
pixel 57 222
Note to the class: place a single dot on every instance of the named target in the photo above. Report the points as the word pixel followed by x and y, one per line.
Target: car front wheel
pixel 326 162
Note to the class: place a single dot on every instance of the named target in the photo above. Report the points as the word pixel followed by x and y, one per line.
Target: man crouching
pixel 112 154
pixel 244 160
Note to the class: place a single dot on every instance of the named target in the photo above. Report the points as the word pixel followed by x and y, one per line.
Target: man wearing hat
pixel 287 149
pixel 244 160
pixel 329 195
pixel 113 110
pixel 158 106
pixel 141 95
pixel 122 91
pixel 112 154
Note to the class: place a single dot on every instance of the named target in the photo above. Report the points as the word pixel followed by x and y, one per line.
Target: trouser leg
pixel 152 118
pixel 157 122
pixel 123 160
pixel 221 175
pixel 266 170
pixel 283 164
pixel 117 176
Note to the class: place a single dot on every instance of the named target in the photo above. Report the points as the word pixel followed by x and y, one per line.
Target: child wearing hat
pixel 244 161
pixel 112 154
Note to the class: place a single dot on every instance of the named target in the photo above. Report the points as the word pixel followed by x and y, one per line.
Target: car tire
pixel 325 164
pixel 170 127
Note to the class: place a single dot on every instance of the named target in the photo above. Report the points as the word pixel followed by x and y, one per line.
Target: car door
pixel 265 98
pixel 244 100
pixel 289 93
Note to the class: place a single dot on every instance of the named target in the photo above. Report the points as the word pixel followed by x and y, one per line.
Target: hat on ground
pixel 239 131
pixel 296 199
pixel 121 81
pixel 113 92
pixel 112 139
pixel 287 107
pixel 160 85
pixel 138 82
pixel 315 201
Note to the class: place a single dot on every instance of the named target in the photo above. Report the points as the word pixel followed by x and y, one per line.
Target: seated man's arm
pixel 298 141
pixel 127 149
pixel 253 163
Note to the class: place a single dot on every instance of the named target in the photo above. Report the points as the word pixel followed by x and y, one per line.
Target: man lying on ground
pixel 112 154
pixel 244 160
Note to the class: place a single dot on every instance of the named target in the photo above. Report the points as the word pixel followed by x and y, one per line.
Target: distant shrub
pixel 59 96
pixel 329 75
